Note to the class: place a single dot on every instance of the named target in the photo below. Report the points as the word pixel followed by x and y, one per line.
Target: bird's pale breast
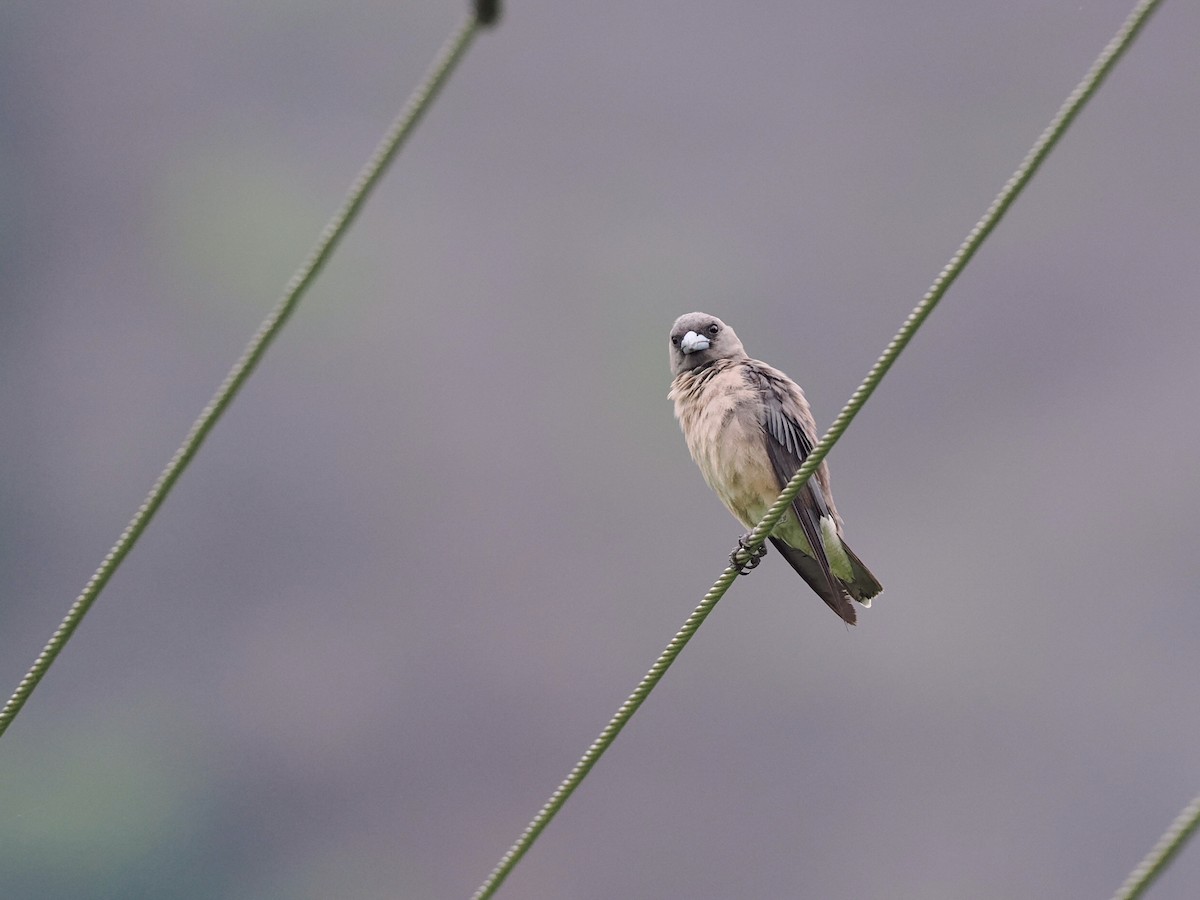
pixel 719 414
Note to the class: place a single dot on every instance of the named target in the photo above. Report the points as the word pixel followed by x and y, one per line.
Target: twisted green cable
pixel 335 229
pixel 1161 853
pixel 1025 171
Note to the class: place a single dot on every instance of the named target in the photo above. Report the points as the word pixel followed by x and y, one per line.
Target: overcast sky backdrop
pixel 451 522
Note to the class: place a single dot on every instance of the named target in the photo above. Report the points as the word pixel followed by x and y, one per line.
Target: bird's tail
pixel 861 589
pixel 865 585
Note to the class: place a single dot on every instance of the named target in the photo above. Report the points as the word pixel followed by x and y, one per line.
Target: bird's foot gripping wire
pixel 755 557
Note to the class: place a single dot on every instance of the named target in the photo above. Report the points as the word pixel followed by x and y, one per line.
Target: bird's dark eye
pixel 675 339
pixel 714 328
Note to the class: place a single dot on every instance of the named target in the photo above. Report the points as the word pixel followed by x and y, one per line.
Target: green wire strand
pixel 335 229
pixel 1161 853
pixel 1012 188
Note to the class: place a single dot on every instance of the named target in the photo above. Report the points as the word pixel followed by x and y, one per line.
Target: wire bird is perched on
pixel 749 429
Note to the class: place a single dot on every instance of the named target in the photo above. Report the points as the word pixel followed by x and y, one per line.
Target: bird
pixel 749 428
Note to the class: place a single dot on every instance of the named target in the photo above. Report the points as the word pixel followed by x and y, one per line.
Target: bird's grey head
pixel 698 339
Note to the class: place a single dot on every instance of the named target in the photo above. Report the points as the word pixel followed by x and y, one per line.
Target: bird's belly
pixel 735 465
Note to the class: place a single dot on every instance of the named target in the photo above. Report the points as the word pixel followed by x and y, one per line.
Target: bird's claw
pixel 754 558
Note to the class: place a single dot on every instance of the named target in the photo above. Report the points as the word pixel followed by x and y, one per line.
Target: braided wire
pixel 331 235
pixel 1008 193
pixel 1161 853
pixel 946 277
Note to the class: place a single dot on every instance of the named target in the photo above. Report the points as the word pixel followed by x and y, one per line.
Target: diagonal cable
pixel 335 229
pixel 1162 853
pixel 946 277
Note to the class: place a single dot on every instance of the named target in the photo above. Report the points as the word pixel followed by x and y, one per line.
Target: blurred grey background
pixel 451 522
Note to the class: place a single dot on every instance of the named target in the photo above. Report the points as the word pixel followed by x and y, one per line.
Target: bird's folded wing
pixel 789 432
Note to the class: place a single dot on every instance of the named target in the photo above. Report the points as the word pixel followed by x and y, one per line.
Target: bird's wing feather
pixel 810 570
pixel 789 432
